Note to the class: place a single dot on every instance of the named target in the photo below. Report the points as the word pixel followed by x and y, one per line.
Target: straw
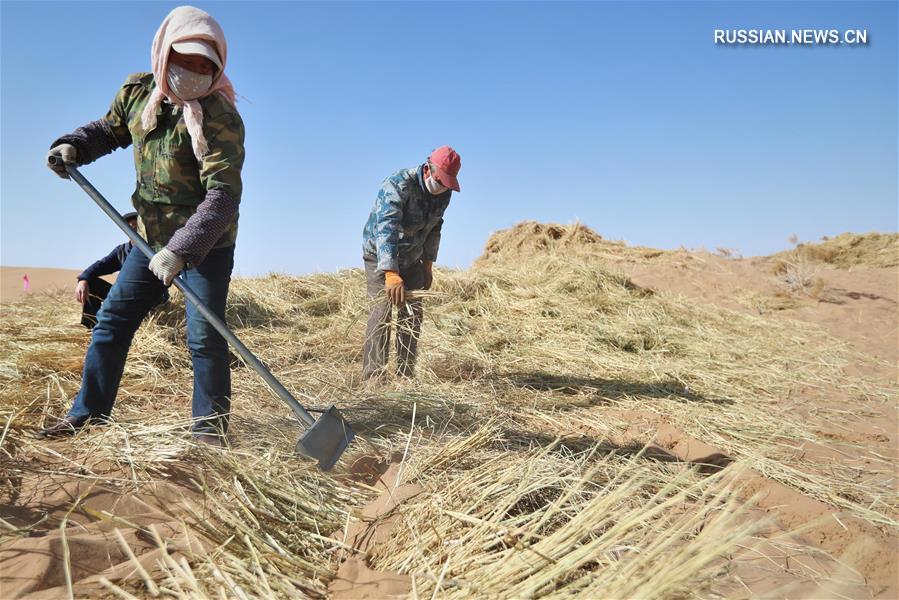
pixel 533 367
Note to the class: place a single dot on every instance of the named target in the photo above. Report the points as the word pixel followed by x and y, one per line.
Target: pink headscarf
pixel 186 23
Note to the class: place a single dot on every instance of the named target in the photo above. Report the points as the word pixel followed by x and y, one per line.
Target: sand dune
pixel 40 279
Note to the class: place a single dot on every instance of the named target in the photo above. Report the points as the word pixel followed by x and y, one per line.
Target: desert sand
pixel 41 280
pixel 700 428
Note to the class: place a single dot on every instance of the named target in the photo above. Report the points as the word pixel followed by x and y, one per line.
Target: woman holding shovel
pixel 188 143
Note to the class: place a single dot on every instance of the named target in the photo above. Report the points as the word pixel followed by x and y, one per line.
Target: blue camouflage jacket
pixel 405 222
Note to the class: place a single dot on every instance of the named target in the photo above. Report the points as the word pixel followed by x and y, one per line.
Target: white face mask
pixel 434 187
pixel 186 84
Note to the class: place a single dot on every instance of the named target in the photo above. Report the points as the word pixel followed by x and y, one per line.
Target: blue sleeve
pixel 111 263
pixel 389 211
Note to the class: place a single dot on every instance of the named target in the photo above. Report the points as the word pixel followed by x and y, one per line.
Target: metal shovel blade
pixel 326 439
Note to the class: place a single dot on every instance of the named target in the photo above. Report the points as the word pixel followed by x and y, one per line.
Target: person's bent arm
pixel 389 212
pixel 90 142
pixel 429 256
pixel 99 138
pixel 109 264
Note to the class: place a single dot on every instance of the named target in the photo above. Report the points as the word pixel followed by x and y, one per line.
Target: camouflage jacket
pixel 171 182
pixel 405 222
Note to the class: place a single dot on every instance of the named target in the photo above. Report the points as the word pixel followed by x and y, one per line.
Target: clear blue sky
pixel 625 116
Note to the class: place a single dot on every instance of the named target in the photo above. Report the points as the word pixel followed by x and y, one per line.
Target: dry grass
pixel 530 238
pixel 766 303
pixel 800 277
pixel 848 250
pixel 526 361
pixel 553 522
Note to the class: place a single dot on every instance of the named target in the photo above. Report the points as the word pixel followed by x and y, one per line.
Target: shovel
pixel 325 438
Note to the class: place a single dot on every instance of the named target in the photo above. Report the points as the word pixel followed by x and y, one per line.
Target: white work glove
pixel 165 264
pixel 67 153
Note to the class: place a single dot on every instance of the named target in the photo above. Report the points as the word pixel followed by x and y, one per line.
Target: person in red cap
pixel 399 247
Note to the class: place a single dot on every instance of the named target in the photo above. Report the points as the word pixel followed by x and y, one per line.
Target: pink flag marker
pixel 26 283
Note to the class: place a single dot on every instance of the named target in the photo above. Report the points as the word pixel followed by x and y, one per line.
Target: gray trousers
pixel 377 333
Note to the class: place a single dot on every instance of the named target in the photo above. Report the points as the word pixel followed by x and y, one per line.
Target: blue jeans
pixel 135 292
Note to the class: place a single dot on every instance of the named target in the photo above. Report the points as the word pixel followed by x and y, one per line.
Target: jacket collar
pixel 420 175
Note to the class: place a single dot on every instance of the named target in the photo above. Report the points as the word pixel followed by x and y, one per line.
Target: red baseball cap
pixel 447 163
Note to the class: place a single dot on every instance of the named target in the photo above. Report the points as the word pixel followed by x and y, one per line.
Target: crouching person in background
pixel 91 290
pixel 400 243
